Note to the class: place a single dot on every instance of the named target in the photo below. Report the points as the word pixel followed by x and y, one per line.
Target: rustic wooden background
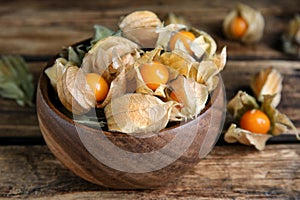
pixel 39 29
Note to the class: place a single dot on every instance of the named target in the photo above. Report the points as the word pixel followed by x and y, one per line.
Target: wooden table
pixel 39 29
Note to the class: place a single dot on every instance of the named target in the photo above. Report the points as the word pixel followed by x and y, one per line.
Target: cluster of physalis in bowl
pixel 137 107
pixel 144 76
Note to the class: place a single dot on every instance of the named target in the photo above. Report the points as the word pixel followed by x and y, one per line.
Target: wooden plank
pixel 43 28
pixel 229 172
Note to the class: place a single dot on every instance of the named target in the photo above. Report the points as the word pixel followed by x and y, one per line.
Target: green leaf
pixel 16 80
pixel 75 54
pixel 11 90
pixel 93 122
pixel 100 33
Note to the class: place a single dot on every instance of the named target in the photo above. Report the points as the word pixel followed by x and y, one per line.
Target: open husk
pixel 280 122
pixel 237 106
pixel 179 61
pixel 117 88
pixel 192 95
pixel 140 27
pixel 207 74
pixel 141 86
pixel 235 134
pixel 112 58
pixel 243 102
pixel 165 33
pixel 255 22
pixel 204 72
pixel 137 113
pixel 202 45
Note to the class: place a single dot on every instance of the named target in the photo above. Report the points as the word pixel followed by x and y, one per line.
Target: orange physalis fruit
pixel 154 74
pixel 185 37
pixel 173 96
pixel 238 27
pixel 176 98
pixel 98 85
pixel 255 121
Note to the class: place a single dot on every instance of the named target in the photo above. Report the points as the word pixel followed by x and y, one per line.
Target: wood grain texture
pixel 237 172
pixel 17 121
pixel 44 27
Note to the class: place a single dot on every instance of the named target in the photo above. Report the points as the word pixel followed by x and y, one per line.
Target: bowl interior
pixel 215 105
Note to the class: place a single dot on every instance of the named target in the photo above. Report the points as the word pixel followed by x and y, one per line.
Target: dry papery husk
pixel 237 106
pixel 149 57
pixel 243 102
pixel 140 27
pixel 291 37
pixel 202 45
pixel 112 58
pixel 70 84
pixel 51 72
pixel 280 123
pixel 204 72
pixel 138 114
pixel 73 91
pixel 235 134
pixel 192 95
pixel 178 62
pixel 254 19
pixel 190 80
pixel 117 88
pixel 109 55
pixel 267 82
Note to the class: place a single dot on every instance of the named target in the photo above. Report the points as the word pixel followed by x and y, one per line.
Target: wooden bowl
pixel 118 160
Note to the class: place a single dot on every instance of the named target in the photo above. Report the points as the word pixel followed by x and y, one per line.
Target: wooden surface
pixel 39 29
pixel 235 172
